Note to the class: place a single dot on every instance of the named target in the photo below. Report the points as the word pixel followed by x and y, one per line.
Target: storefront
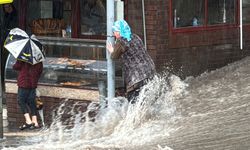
pixel 184 37
pixel 74 37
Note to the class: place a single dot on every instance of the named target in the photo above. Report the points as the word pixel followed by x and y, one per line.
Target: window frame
pixel 77 32
pixel 75 19
pixel 206 26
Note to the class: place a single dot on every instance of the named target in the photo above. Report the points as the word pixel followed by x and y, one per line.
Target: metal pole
pixel 1 92
pixel 241 32
pixel 144 23
pixel 102 93
pixel 110 63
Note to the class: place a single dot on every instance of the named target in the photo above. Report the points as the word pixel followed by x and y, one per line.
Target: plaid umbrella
pixel 24 47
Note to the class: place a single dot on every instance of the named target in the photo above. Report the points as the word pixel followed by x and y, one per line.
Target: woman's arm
pixel 117 50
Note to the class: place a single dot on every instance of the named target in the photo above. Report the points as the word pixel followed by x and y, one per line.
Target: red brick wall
pixel 156 23
pixel 188 53
pixel 134 16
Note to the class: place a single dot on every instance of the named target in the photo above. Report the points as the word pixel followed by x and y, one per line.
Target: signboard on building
pixel 5 1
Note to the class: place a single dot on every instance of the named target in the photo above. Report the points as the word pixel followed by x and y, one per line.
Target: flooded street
pixel 209 112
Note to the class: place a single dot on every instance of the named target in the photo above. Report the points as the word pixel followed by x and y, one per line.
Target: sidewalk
pixel 13 137
pixel 7 131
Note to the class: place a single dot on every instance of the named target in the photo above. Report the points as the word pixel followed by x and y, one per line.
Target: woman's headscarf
pixel 124 29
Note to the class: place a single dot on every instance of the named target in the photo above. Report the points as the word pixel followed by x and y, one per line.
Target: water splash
pixel 119 124
pixel 211 111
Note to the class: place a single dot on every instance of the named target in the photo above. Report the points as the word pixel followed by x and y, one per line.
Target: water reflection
pixel 208 112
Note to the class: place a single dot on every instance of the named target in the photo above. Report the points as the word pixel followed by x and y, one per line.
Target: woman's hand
pixel 110 47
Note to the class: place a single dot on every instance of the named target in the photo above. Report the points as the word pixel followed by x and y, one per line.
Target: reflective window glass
pixel 188 13
pixel 221 11
pixel 193 13
pixel 49 17
pixel 246 11
pixel 93 17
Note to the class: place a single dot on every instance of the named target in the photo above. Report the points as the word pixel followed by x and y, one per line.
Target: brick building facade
pixel 181 52
pixel 187 53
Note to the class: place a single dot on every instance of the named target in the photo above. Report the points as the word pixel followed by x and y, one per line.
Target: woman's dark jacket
pixel 10 21
pixel 28 75
pixel 138 64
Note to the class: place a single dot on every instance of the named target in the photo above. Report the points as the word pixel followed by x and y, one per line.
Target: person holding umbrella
pixel 28 76
pixel 29 54
pixel 138 65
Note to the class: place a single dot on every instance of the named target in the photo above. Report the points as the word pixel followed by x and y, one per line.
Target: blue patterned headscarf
pixel 124 29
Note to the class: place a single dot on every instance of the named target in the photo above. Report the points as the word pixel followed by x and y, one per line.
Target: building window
pixel 93 17
pixel 187 13
pixel 78 19
pixel 246 11
pixel 49 17
pixel 221 11
pixel 200 13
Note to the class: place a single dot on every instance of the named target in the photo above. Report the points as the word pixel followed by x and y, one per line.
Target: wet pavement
pixel 211 113
pixel 14 137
